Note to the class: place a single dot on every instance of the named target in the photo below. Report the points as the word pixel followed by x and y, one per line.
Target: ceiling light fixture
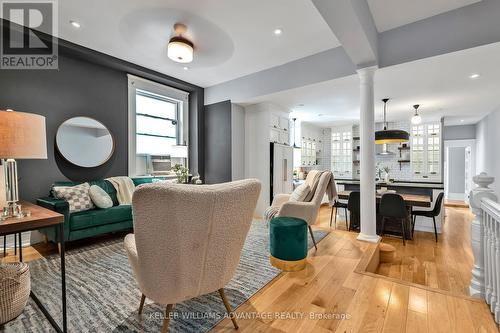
pixel 185 68
pixel 179 48
pixel 75 24
pixel 461 120
pixel 390 136
pixel 416 119
pixel 474 76
pixel 278 31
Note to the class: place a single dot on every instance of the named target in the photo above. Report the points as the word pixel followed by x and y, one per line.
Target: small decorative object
pixel 386 177
pixel 15 287
pixel 182 173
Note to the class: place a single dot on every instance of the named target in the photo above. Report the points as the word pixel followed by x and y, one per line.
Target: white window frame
pixel 341 157
pixel 137 83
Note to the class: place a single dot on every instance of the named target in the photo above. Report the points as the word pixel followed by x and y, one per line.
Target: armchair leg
pixel 228 307
pixel 141 306
pixel 312 236
pixel 435 229
pixel 166 320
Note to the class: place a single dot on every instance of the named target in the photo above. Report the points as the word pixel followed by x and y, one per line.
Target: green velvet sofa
pixel 93 222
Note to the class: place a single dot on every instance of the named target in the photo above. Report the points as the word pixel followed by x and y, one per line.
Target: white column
pixel 368 217
pixel 477 283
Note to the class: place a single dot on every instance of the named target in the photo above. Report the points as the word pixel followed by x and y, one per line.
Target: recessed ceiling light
pixel 185 68
pixel 278 31
pixel 474 76
pixel 461 120
pixel 75 24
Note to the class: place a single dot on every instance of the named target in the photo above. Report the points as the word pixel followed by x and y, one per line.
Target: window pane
pixel 155 107
pixel 154 145
pixel 149 125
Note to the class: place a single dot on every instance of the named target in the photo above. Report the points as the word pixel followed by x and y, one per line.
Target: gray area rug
pixel 103 296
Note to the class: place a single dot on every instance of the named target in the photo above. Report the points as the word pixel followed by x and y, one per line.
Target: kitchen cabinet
pixel 426 151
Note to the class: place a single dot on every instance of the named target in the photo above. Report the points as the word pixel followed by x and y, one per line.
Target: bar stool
pixel 392 205
pixel 337 204
pixel 429 213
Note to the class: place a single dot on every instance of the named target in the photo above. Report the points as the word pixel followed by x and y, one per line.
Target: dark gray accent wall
pixel 459 132
pixel 92 84
pixel 218 142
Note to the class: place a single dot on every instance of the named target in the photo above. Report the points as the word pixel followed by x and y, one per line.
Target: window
pixel 426 150
pixel 342 152
pixel 158 123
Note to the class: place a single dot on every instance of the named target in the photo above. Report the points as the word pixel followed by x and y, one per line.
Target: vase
pixel 386 178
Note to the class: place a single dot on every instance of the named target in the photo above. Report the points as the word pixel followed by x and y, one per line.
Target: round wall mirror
pixel 84 142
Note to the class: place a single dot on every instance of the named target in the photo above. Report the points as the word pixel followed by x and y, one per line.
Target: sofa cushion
pixel 96 217
pixel 99 197
pixel 77 197
pixel 104 184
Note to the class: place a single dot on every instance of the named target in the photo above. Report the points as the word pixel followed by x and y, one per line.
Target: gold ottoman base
pixel 288 266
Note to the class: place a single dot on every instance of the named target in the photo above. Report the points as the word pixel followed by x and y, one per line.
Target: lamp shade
pixel 22 135
pixel 391 136
pixel 179 151
pixel 180 50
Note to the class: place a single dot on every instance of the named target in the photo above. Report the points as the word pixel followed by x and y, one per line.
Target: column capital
pixel 367 72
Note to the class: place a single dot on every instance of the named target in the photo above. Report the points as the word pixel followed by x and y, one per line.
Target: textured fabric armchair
pixel 188 239
pixel 308 211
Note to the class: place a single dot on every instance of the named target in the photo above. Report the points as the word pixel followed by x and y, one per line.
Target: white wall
pixel 487 147
pixel 237 142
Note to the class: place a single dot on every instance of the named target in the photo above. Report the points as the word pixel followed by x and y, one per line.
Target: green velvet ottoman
pixel 288 243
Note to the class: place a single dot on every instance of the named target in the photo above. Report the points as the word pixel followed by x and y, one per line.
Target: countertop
pixel 395 184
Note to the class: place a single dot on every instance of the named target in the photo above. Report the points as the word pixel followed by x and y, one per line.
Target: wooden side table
pixel 41 218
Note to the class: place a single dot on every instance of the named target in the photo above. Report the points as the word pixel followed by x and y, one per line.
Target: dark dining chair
pixel 353 204
pixel 393 206
pixel 337 204
pixel 429 213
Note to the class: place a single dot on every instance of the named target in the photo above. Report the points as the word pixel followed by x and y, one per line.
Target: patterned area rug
pixel 103 296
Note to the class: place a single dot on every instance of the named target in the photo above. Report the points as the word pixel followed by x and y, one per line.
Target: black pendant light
pixel 390 136
pixel 295 134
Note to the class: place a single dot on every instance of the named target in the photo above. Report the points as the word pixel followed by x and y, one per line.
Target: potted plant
pixel 182 173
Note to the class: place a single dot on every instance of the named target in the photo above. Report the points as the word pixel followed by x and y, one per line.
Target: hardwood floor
pixel 333 295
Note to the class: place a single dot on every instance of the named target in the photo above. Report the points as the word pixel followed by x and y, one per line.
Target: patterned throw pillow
pixel 99 197
pixel 77 197
pixel 300 193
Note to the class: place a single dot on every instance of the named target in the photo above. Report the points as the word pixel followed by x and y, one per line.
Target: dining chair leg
pixel 435 229
pixel 335 222
pixel 141 306
pixel 403 231
pixel 331 216
pixel 166 320
pixel 228 307
pixel 346 218
pixel 414 219
pixel 312 236
pixel 382 227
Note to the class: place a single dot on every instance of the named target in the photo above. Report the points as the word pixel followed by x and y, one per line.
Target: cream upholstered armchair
pixel 306 210
pixel 188 239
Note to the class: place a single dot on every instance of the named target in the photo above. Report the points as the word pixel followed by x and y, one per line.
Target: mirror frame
pixel 111 153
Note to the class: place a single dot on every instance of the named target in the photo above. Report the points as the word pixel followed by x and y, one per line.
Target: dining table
pixel 411 200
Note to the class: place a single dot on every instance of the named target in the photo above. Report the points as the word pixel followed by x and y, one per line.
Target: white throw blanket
pixel 124 189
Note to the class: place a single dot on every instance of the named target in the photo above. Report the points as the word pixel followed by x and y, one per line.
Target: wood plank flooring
pixel 330 296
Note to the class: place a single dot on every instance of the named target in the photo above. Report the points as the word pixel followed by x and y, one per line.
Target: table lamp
pixel 22 136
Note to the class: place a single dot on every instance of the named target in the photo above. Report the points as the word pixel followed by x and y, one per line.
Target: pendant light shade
pixel 416 119
pixel 390 136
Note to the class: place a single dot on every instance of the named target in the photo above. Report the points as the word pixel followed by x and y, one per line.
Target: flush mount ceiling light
pixel 474 76
pixel 179 48
pixel 278 31
pixel 390 136
pixel 416 119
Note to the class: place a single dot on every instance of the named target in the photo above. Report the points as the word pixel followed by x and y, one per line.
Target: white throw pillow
pixel 300 193
pixel 77 196
pixel 99 197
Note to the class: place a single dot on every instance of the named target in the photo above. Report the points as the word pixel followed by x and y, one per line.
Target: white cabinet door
pixel 284 124
pixel 284 138
pixel 275 121
pixel 275 135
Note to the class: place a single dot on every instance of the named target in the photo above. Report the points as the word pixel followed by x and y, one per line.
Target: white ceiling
pixel 389 14
pixel 232 38
pixel 441 85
